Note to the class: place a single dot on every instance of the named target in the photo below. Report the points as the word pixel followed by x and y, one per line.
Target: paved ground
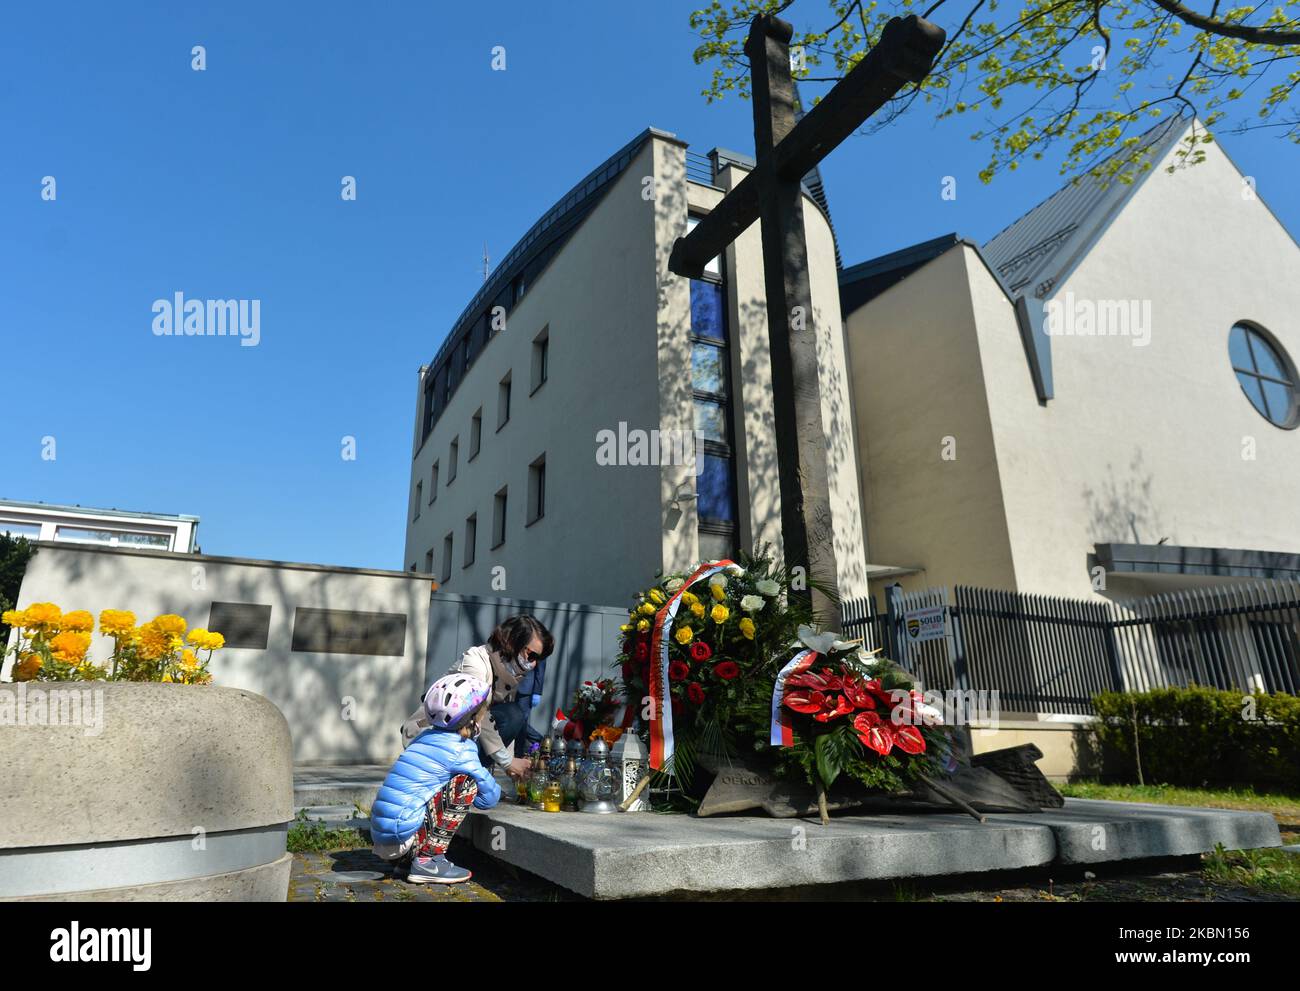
pixel 316 878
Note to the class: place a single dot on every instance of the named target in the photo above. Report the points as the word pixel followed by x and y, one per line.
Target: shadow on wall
pixel 1121 509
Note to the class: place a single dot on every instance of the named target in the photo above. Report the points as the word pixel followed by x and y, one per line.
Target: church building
pixel 1101 400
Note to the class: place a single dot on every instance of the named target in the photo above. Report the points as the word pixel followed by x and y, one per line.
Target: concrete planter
pixel 142 792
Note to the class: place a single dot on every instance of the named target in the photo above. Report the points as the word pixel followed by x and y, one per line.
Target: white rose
pixel 752 603
pixel 767 586
pixel 673 584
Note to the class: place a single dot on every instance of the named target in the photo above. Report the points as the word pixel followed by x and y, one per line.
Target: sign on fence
pixel 926 623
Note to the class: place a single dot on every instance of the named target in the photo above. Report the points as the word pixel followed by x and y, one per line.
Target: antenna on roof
pixel 485 262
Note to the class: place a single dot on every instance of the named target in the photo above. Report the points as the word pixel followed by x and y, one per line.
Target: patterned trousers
pixel 444 814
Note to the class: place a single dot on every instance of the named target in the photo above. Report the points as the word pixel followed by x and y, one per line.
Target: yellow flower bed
pixel 53 646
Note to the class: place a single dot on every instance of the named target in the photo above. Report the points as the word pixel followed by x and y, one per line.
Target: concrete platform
pixel 336 784
pixel 641 854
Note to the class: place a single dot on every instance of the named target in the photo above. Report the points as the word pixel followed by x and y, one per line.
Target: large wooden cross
pixel 785 152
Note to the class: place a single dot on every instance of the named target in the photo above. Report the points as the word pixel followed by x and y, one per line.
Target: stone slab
pixel 337 784
pixel 641 854
pixel 638 854
pixel 1095 831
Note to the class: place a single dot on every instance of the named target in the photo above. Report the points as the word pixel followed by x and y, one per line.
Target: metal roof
pixel 1037 251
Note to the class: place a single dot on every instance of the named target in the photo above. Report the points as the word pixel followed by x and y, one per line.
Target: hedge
pixel 1201 736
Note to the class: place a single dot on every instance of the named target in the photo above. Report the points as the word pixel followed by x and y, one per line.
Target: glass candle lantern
pixel 599 783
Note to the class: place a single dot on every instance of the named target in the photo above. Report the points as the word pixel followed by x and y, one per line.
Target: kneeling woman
pixel 513 663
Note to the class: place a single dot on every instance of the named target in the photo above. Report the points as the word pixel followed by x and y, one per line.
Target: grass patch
pixel 1282 805
pixel 1264 870
pixel 307 836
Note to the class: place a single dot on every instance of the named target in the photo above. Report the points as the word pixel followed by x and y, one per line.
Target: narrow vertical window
pixel 471 538
pixel 541 358
pixel 503 402
pixel 419 500
pixel 446 558
pixel 433 483
pixel 499 519
pixel 475 434
pixel 537 489
pixel 452 454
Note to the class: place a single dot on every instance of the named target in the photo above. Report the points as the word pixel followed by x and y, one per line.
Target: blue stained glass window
pixel 708 315
pixel 708 371
pixel 717 489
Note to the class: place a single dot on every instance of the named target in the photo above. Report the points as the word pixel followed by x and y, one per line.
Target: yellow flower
pixel 719 592
pixel 154 643
pixel 657 597
pixel 684 634
pixel 625 628
pixel 690 598
pixel 167 678
pixel 204 640
pixel 170 623
pixel 720 614
pixel 78 621
pixel 697 608
pixel 14 617
pixel 116 622
pixel 27 668
pixel 90 672
pixel 189 660
pixel 70 647
pixel 747 628
pixel 648 609
pixel 42 616
pixel 643 625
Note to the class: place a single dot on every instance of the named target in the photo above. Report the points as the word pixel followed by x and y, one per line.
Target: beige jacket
pixel 487 666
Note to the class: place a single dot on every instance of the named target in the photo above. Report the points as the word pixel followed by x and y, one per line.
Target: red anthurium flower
pixel 858 695
pixel 824 681
pixel 678 670
pixel 701 651
pixel 641 651
pixel 695 692
pixel 909 739
pixel 874 732
pixel 803 701
pixel 836 706
pixel 726 670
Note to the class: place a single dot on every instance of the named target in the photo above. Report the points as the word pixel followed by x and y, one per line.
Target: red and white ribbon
pixel 782 731
pixel 661 715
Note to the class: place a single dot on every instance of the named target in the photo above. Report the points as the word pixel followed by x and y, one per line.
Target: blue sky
pixel 225 184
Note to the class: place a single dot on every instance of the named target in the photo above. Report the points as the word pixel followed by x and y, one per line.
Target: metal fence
pixel 1051 655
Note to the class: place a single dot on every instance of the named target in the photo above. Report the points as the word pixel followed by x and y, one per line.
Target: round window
pixel 1266 374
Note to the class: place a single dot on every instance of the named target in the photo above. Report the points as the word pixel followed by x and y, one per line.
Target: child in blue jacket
pixel 428 793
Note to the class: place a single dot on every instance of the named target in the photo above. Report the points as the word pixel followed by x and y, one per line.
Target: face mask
pixel 525 662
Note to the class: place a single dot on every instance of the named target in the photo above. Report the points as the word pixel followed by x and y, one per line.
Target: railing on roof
pixel 699 168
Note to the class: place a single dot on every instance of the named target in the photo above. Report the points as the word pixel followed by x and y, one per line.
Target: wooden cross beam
pixel 784 153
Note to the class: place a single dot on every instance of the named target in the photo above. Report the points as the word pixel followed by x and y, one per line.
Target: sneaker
pixel 436 870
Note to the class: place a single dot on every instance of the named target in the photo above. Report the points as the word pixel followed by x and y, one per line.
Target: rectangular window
pixel 32 531
pixel 341 631
pixel 503 402
pixel 428 563
pixel 419 499
pixel 471 538
pixel 537 490
pixel 243 624
pixel 446 558
pixel 541 358
pixel 708 312
pixel 452 454
pixel 433 483
pixel 499 519
pixel 475 434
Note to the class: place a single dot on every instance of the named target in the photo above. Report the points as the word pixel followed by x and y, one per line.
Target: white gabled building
pixel 582 334
pixel 1105 391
